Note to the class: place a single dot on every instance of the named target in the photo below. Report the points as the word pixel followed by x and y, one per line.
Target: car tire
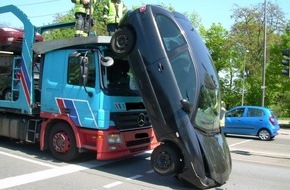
pixel 165 160
pixel 123 41
pixel 62 143
pixel 264 135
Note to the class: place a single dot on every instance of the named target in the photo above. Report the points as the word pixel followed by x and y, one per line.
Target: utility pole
pixel 263 87
pixel 244 70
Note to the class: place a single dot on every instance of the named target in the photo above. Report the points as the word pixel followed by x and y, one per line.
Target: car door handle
pixel 160 67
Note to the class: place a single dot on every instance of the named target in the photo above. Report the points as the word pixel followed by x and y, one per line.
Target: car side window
pixel 236 113
pixel 252 112
pixel 171 38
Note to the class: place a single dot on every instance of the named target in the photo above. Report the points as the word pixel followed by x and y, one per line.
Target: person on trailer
pixel 84 16
pixel 113 12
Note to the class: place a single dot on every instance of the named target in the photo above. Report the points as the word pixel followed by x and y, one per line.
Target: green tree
pixel 247 34
pixel 280 84
pixel 99 28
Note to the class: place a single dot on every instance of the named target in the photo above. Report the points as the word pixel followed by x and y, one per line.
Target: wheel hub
pixel 61 142
pixel 163 160
pixel 122 41
pixel 264 134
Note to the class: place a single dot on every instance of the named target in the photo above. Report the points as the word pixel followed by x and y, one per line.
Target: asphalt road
pixel 256 165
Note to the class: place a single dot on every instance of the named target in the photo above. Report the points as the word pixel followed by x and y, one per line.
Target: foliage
pixel 247 39
pixel 99 28
pixel 62 32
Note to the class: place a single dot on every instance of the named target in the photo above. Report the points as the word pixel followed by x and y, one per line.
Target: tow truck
pixel 80 100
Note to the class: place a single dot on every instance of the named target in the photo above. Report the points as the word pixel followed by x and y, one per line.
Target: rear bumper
pixel 275 130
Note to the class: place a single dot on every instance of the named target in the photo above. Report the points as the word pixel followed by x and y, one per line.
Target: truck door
pixel 80 93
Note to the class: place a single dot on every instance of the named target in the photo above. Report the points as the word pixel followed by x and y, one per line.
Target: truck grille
pixel 138 142
pixel 131 120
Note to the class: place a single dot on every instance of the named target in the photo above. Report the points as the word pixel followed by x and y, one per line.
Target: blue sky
pixel 41 12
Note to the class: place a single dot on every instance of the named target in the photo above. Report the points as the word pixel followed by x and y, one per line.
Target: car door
pixel 254 121
pixel 234 123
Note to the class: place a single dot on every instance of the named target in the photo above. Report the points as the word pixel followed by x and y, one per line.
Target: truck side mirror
pixel 84 62
pixel 107 61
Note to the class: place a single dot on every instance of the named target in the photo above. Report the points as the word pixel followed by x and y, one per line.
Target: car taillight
pixel 271 119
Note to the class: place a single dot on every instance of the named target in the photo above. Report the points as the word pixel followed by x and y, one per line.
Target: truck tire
pixel 165 160
pixel 123 41
pixel 62 143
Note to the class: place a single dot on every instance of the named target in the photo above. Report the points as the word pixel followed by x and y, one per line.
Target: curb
pixel 284 132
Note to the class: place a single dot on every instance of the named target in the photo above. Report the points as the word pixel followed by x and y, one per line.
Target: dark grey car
pixel 180 89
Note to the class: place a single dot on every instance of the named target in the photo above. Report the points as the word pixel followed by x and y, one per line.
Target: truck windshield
pixel 118 79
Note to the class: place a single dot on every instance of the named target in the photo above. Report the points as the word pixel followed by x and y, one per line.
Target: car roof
pixel 257 107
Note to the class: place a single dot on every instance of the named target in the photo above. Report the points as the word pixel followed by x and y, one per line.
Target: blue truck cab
pixel 80 99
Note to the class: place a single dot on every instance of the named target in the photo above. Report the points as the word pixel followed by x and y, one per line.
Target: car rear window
pixel 273 114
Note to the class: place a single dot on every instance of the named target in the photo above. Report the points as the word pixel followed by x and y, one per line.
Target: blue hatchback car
pixel 253 121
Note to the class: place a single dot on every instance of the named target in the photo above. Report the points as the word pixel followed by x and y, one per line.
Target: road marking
pixel 242 142
pixel 150 172
pixel 260 153
pixel 45 174
pixel 259 162
pixel 28 160
pixel 113 184
pixel 116 183
pixel 134 177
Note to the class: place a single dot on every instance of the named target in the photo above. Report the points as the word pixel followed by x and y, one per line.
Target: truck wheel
pixel 62 143
pixel 165 160
pixel 122 42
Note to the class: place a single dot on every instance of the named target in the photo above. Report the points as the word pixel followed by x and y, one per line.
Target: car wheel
pixel 264 135
pixel 123 41
pixel 165 160
pixel 62 143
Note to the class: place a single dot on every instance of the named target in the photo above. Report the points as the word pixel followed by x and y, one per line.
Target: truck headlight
pixel 10 39
pixel 114 139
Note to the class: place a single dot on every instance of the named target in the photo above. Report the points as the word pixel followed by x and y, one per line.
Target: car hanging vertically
pixel 179 85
